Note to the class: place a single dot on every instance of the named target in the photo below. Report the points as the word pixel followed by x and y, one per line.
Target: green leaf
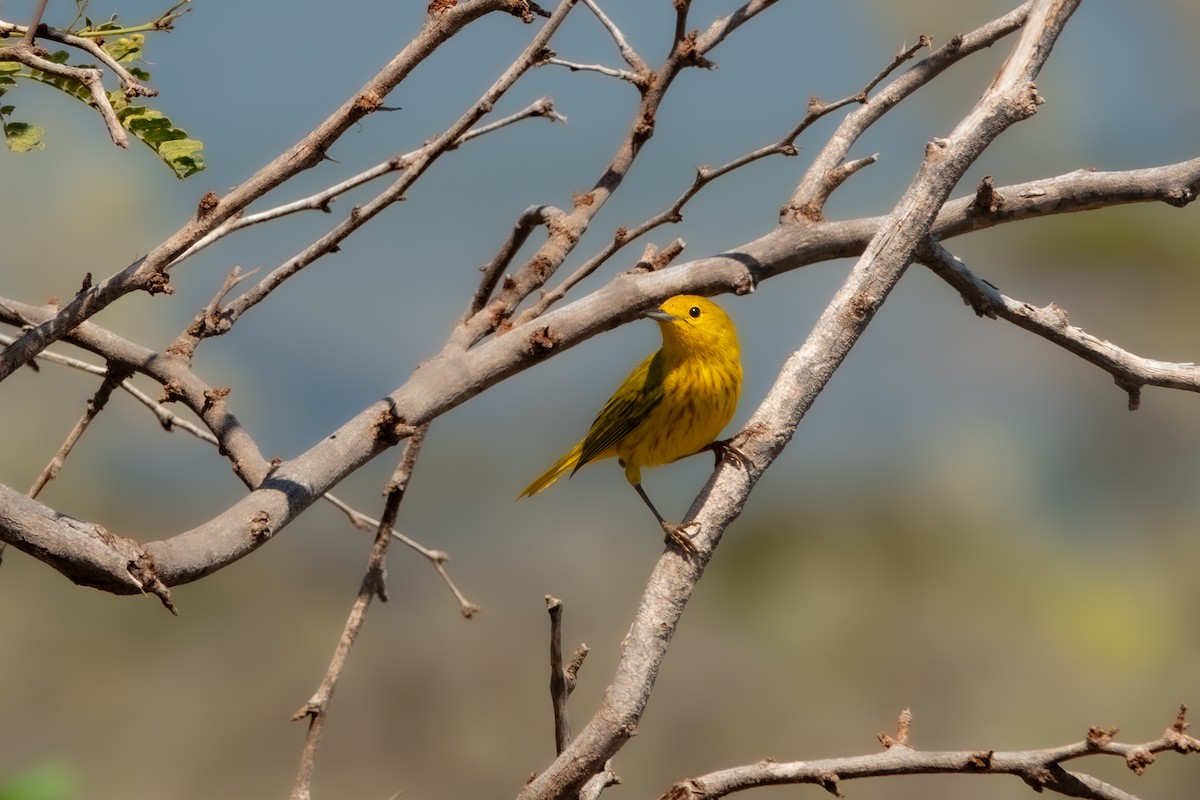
pixel 21 137
pixel 127 48
pixel 155 130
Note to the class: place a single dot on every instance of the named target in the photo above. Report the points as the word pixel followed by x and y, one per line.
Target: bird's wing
pixel 625 410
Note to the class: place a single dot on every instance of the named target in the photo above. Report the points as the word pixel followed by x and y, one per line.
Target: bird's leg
pixel 676 534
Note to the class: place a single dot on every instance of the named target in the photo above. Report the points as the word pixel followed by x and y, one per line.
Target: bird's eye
pixel 694 311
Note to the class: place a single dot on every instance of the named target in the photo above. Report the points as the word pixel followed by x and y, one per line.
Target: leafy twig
pixel 25 53
pixel 164 22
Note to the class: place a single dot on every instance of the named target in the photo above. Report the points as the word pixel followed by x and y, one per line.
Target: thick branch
pixel 1010 98
pixel 448 381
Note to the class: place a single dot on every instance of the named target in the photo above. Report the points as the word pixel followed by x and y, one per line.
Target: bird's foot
pixel 682 537
pixel 726 450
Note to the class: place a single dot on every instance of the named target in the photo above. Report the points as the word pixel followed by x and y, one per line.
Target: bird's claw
pixel 679 536
pixel 726 450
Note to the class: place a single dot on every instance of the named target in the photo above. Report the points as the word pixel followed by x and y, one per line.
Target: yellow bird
pixel 673 405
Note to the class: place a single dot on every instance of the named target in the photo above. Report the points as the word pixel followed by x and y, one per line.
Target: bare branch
pixel 373 585
pixel 360 215
pixel 808 201
pixel 166 418
pixel 35 23
pixel 707 175
pixel 437 558
pixel 560 686
pixel 904 55
pixel 627 52
pixel 1174 184
pixel 1040 769
pixel 320 201
pixel 115 377
pixel 171 421
pixel 529 219
pixel 1129 371
pixel 688 50
pixel 1010 98
pixel 622 74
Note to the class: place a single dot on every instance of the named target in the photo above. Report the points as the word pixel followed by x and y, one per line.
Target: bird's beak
pixel 658 315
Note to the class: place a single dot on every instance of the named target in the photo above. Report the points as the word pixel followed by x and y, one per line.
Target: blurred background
pixel 969 522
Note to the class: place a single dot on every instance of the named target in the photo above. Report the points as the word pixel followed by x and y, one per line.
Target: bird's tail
pixel 564 464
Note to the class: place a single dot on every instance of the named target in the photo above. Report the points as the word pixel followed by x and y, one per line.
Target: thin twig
pixel 320 201
pixel 531 218
pixel 210 320
pixel 923 41
pixel 115 377
pixel 437 558
pixel 167 418
pixel 627 52
pixel 360 215
pixel 373 585
pixel 623 74
pixel 687 50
